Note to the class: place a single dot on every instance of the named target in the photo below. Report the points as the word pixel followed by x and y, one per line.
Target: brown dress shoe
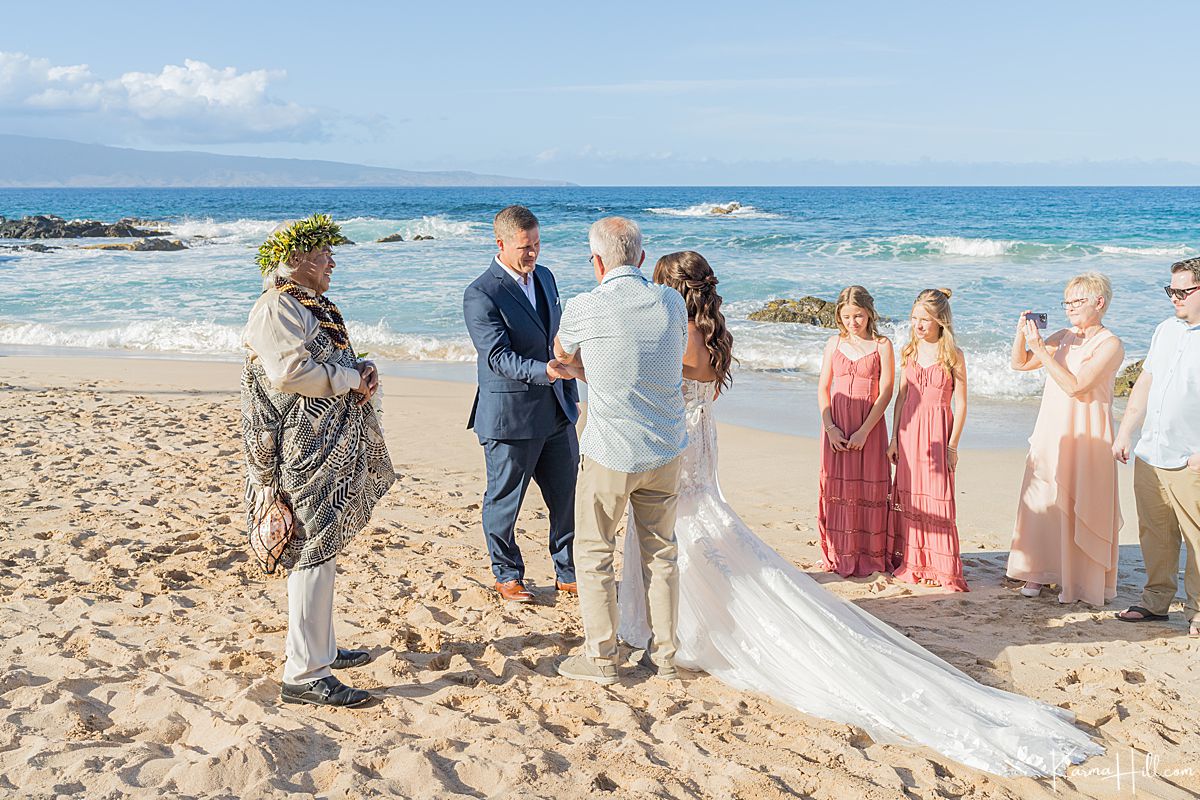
pixel 514 592
pixel 569 588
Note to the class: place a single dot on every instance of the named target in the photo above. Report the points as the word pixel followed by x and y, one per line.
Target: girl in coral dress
pixel 924 447
pixel 1068 516
pixel 855 387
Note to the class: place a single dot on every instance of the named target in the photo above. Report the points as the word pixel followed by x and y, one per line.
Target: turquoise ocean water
pixel 1000 249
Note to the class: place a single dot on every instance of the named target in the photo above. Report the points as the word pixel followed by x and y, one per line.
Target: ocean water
pixel 1001 250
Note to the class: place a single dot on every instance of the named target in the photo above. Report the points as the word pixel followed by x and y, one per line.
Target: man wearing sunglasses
pixel 1166 472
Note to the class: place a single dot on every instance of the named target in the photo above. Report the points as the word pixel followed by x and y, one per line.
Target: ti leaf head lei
pixel 312 233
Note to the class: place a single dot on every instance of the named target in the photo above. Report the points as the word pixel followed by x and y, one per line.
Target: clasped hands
pixel 368 381
pixel 558 371
pixel 839 442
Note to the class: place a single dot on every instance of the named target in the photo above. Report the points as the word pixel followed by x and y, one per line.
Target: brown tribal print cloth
pixel 327 314
pixel 326 455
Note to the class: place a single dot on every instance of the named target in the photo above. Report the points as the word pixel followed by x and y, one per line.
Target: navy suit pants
pixel 553 462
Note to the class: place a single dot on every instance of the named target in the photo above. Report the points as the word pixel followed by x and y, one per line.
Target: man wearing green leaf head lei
pixel 314 447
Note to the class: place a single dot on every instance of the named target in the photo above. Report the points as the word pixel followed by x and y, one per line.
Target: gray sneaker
pixel 582 668
pixel 664 671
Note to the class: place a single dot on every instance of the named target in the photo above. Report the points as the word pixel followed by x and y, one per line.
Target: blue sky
pixel 625 93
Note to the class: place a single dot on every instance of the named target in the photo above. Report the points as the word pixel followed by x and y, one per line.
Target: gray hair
pixel 617 240
pixel 284 270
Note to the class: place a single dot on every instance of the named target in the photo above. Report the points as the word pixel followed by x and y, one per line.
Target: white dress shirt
pixel 525 282
pixel 1171 432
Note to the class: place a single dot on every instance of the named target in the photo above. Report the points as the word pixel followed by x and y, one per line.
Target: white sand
pixel 142 649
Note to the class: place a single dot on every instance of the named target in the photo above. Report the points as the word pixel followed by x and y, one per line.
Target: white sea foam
pixel 368 229
pixel 731 208
pixel 171 336
pixel 357 229
pixel 1178 251
pixel 255 229
pixel 197 337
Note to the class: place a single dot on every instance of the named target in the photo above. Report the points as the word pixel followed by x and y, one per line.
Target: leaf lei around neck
pixel 303 236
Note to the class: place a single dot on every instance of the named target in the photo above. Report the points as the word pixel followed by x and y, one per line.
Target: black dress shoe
pixel 324 692
pixel 350 658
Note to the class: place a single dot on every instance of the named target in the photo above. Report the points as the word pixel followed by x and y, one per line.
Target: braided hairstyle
pixel 689 274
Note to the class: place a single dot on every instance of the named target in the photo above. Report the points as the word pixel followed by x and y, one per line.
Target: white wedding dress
pixel 752 619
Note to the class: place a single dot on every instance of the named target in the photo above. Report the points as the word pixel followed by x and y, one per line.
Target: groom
pixel 631 334
pixel 526 406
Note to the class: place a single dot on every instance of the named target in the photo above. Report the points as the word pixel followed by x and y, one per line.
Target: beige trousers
pixel 1168 504
pixel 310 646
pixel 600 501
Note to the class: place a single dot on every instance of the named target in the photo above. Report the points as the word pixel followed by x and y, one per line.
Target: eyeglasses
pixel 1071 305
pixel 1179 294
pixel 592 258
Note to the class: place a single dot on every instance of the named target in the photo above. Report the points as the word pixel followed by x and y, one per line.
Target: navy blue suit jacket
pixel 515 398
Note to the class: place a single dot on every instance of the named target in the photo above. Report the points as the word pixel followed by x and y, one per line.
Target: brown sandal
pixel 1146 615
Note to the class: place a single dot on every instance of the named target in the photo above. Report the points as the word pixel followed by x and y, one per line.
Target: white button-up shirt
pixel 1171 432
pixel 524 282
pixel 632 334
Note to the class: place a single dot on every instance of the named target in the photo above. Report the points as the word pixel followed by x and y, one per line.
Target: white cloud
pixel 194 102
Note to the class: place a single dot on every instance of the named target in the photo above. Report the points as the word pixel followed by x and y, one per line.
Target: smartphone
pixel 1039 319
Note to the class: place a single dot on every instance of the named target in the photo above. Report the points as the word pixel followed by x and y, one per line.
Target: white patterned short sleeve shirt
pixel 631 334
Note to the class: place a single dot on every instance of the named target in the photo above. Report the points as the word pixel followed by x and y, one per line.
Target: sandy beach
pixel 143 648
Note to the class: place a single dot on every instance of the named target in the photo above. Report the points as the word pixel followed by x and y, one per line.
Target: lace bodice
pixel 698 470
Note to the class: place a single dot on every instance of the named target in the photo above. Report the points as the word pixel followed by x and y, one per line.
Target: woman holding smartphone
pixel 1068 515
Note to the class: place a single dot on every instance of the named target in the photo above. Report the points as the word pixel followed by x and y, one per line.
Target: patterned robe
pixel 326 455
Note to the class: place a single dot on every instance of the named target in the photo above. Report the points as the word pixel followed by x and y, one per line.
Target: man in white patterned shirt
pixel 631 333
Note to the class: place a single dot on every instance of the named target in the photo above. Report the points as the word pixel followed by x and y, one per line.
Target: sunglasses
pixel 1179 294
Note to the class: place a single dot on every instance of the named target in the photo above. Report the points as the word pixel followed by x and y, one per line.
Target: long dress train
pixel 752 619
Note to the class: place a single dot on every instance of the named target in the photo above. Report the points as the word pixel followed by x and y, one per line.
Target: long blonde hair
pixel 936 303
pixel 858 296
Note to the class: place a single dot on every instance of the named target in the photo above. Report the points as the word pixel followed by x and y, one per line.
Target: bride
pixel 752 619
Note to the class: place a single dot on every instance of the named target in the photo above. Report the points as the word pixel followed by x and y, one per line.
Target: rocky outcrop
pixel 156 244
pixel 341 240
pixel 807 310
pixel 36 247
pixel 420 237
pixel 728 208
pixel 395 237
pixel 46 226
pixel 1126 378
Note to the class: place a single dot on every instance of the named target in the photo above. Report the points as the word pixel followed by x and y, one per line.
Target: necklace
pixel 327 314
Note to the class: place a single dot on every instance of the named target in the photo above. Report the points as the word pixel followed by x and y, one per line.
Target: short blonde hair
pixel 1094 283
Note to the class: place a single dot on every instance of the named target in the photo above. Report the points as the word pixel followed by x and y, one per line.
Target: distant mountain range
pixel 27 161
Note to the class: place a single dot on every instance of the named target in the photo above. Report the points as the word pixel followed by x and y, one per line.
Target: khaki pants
pixel 310 646
pixel 1168 504
pixel 600 501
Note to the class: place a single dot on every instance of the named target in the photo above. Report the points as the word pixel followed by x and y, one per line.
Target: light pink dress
pixel 1069 513
pixel 852 512
pixel 923 511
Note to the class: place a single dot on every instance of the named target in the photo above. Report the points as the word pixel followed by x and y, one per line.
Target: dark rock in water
pixel 395 237
pixel 45 226
pixel 807 310
pixel 142 245
pixel 36 247
pixel 341 240
pixel 1126 378
pixel 420 237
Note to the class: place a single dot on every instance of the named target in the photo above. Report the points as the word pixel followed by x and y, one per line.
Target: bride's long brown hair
pixel 689 274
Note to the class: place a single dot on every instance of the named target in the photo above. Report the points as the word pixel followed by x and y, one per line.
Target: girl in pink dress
pixel 856 384
pixel 924 447
pixel 1068 516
